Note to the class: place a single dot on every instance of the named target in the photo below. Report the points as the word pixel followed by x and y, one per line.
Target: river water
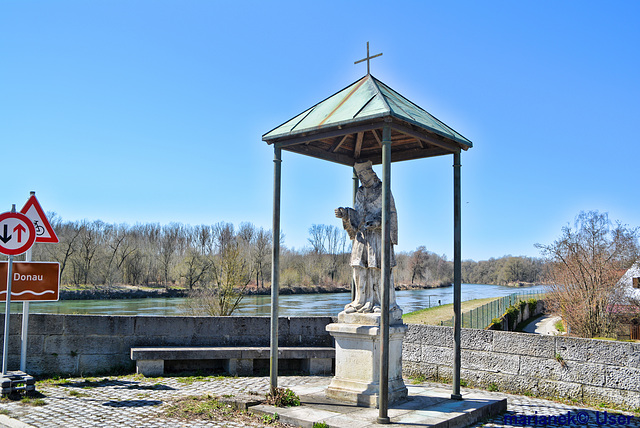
pixel 290 305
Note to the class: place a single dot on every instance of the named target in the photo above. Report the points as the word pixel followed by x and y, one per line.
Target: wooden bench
pixel 237 361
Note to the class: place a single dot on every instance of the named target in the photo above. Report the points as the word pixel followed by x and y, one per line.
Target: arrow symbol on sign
pixel 20 229
pixel 4 237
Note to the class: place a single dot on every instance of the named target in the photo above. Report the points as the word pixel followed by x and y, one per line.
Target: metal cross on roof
pixel 368 58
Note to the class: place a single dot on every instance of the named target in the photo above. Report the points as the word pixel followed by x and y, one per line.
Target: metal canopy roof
pixel 347 127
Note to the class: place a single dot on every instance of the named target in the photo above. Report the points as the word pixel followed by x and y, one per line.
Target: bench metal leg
pixel 150 368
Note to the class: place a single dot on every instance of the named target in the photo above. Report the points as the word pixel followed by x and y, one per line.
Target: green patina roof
pixel 360 110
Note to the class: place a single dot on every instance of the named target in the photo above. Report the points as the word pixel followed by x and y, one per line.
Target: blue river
pixel 290 305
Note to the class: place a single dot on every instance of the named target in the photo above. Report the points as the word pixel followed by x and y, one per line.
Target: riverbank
pixel 435 315
pixel 138 292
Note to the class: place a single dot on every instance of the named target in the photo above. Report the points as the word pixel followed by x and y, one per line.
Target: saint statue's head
pixel 366 174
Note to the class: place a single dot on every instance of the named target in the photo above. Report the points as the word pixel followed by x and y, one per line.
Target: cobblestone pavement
pixel 136 402
pixel 132 401
pixel 519 407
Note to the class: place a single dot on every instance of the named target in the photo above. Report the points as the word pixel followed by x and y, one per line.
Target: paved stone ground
pixel 142 402
pixel 574 415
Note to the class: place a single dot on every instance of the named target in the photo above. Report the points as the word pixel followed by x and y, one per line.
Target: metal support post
pixel 383 407
pixel 457 277
pixel 356 184
pixel 275 269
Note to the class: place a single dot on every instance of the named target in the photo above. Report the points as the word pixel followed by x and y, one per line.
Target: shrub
pixel 512 316
pixel 521 305
pixel 497 322
pixel 533 304
pixel 283 397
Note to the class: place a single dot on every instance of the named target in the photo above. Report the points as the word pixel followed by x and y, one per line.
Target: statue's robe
pixel 364 226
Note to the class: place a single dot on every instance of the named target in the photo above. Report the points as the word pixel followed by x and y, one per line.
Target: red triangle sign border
pixel 44 222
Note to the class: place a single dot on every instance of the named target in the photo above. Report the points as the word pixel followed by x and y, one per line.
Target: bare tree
pixel 119 247
pixel 318 238
pixel 586 263
pixel 231 275
pixel 198 256
pixel 336 243
pixel 418 264
pixel 246 232
pixel 90 237
pixel 260 255
pixel 203 239
pixel 62 252
pixel 170 242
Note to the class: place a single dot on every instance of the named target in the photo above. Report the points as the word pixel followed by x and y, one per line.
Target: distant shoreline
pixel 129 292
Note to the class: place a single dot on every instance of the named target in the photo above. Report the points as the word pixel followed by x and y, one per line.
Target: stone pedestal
pixel 357 378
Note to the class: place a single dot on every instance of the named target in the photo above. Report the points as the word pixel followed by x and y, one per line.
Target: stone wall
pixel 88 344
pixel 585 370
pixel 594 371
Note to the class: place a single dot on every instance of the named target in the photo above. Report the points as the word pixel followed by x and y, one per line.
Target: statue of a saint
pixel 363 223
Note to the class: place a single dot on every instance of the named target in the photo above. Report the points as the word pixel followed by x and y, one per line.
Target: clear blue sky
pixel 153 111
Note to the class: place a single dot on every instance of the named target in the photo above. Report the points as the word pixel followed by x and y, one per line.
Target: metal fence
pixel 481 316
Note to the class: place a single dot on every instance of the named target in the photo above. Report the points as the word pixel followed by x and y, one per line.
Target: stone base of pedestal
pixel 357 378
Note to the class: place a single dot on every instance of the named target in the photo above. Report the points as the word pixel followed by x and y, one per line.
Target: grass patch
pixel 76 393
pixel 54 380
pixel 437 314
pixel 559 326
pixel 30 401
pixel 270 419
pixel 210 408
pixel 199 407
pixel 418 379
pixel 198 378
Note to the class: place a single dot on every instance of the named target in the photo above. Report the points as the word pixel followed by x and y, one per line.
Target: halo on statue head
pixel 361 166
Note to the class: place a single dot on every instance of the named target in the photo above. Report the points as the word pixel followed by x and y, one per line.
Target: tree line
pixel 99 253
pixel 221 261
pixel 103 254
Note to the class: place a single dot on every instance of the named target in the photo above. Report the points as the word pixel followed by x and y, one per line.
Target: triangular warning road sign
pixel 44 231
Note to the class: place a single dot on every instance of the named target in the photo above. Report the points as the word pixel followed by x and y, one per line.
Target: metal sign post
pixel 17 235
pixel 25 327
pixel 44 233
pixel 7 313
